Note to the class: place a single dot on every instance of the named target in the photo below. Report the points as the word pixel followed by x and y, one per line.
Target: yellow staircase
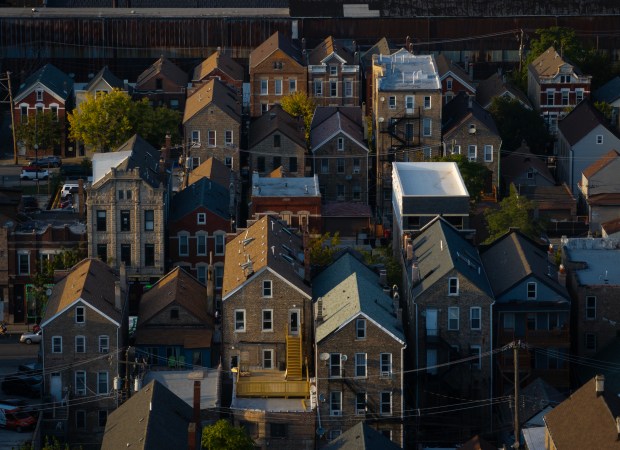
pixel 293 357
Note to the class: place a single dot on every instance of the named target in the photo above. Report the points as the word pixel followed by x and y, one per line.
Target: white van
pixel 69 188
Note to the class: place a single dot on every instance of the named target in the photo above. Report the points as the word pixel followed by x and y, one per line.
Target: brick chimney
pixel 192 436
pixel 117 296
pixel 196 409
pixel 599 383
pixel 123 275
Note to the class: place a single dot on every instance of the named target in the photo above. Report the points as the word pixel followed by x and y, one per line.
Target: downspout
pixel 402 394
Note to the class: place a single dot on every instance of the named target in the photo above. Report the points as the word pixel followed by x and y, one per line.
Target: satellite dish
pixel 324 356
pixel 344 358
pixel 322 397
pixel 48 292
pixel 320 431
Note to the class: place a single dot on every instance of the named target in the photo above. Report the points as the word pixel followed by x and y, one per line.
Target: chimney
pixel 319 309
pixel 306 243
pixel 123 275
pixel 196 402
pixel 551 254
pixel 399 318
pixel 415 273
pixel 210 286
pixel 117 296
pixel 599 382
pixel 192 436
pixel 409 250
pixel 382 277
pixel 396 302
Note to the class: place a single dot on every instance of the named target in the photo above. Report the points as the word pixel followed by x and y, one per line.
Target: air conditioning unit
pixel 409 111
pixel 385 374
pixel 361 412
pixel 356 170
pixel 337 413
pixel 349 177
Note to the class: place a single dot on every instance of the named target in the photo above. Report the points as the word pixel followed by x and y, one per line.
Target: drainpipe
pixel 402 395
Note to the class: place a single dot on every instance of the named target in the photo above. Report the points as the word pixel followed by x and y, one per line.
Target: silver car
pixel 31 338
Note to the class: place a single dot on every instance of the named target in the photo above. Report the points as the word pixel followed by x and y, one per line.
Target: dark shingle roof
pixel 445 65
pixel 276 41
pixel 457 111
pixel 218 60
pixel 276 119
pixel 213 92
pixel 609 92
pixel 202 193
pixel 496 86
pixel 105 74
pixel 143 156
pixel 581 121
pixel 382 47
pixel 327 47
pixel 361 437
pixel 163 66
pixel 51 77
pixel 517 164
pixel 328 121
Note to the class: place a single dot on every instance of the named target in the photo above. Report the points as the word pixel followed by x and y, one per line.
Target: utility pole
pixel 520 49
pixel 8 98
pixel 515 350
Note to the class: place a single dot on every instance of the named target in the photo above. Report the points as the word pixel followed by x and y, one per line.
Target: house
pixel 176 323
pixel 531 306
pixel 277 140
pixel 126 210
pixel 554 84
pixel 103 82
pixel 599 190
pixel 381 47
pixel 164 84
pixel 593 280
pixel 610 93
pixel 47 90
pixel 424 190
pixel 352 221
pixel 333 74
pixel 340 154
pixel 497 86
pixel 221 67
pixel 360 348
pixel 277 68
pixel 406 116
pixel 555 205
pixel 587 419
pixel 454 79
pixel 153 418
pixel 361 437
pixel 523 168
pixel 470 130
pixel 212 124
pixel 448 304
pixel 296 201
pixel 199 221
pixel 84 337
pixel 584 136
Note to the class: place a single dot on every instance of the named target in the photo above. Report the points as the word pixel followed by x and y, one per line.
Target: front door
pixel 56 386
pixel 431 322
pixel 293 320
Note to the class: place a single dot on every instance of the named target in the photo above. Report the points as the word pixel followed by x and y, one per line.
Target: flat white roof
pixel 601 256
pixel 272 404
pixel 405 71
pixel 181 383
pixel 428 179
pixel 285 187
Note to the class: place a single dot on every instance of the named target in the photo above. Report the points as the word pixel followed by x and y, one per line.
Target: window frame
pixel 453 286
pixel 104 348
pixel 335 365
pixel 453 322
pixel 361 401
pixel 267 321
pixel 264 86
pixel 599 139
pixel 361 365
pixel 267 288
pixel 473 319
pixel 278 86
pixel 318 88
pixel 201 244
pixel 340 165
pixel 340 144
pixel 183 244
pixel 469 152
pixel 590 342
pixel 292 85
pixel 57 344
pixel 125 218
pixel 149 254
pixel 385 367
pixel 392 102
pixel 590 313
pixel 100 382
pixel 80 344
pixel 149 220
pixel 348 88
pixel 488 153
pixel 220 237
pixel 23 269
pixel 427 102
pixel 195 137
pixel 80 314
pixel 360 328
pixel 427 127
pixel 211 138
pixel 478 350
pixel 532 290
pixel 383 402
pixel 239 322
pixel 335 403
pixel 79 377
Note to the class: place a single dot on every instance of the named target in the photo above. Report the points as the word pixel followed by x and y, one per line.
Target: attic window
pixel 159 84
pixel 174 313
pixel 39 95
pixel 202 218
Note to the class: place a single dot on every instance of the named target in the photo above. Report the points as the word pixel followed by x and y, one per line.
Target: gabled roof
pixel 167 69
pixel 457 113
pixel 276 120
pixel 446 68
pixel 179 288
pixel 110 79
pixel 548 64
pixel 214 169
pixel 497 86
pixel 514 257
pixel 382 47
pixel 276 41
pixel 601 163
pixel 203 193
pixel 219 61
pixel 580 121
pixel 348 288
pixel 264 246
pixel 328 47
pixel 439 248
pixel 517 163
pixel 609 92
pixel 361 437
pixel 52 78
pixel 611 226
pixel 213 92
pixel 330 121
pixel 153 418
pixel 142 155
pixel 90 281
pixel 585 419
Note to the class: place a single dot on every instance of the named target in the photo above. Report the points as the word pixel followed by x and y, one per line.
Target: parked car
pixel 46 161
pixel 28 386
pixel 34 368
pixel 75 171
pixel 34 172
pixel 31 337
pixel 13 417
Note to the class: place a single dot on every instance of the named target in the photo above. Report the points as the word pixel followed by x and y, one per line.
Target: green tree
pixel 474 174
pixel 154 123
pixel 323 248
pixel 223 436
pixel 517 123
pixel 299 104
pixel 42 129
pixel 392 266
pixel 605 108
pixel 514 211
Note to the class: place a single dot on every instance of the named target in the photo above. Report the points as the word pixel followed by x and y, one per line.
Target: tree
pixel 299 104
pixel 474 174
pixel 154 123
pixel 514 211
pixel 223 436
pixel 517 123
pixel 43 129
pixel 392 266
pixel 605 108
pixel 323 248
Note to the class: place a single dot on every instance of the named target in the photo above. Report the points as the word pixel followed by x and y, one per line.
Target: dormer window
pixel 333 70
pixel 564 78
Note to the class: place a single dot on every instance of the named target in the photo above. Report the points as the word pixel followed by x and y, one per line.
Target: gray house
pixel 600 190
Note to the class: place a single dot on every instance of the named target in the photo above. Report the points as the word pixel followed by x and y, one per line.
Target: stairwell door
pixel 293 322
pixel 431 322
pixel 56 386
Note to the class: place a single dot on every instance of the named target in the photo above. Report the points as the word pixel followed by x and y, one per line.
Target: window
pixel 102 252
pixel 391 102
pixel 449 84
pixel 219 244
pixel 126 254
pixel 292 164
pixel 149 220
pixel 267 288
pixel 54 110
pixel 121 194
pixel 260 164
pixel 564 78
pixel 550 97
pixel 474 352
pixel 278 430
pixel 201 273
pixel 340 144
pixel 357 191
pixel 267 319
pixel 228 161
pixel 104 344
pixel 456 150
pixel 324 165
pixel 318 88
pixel 276 140
pixel 348 88
pixel 599 139
pixel 531 291
pixel 333 88
pixel 102 383
pixel 340 165
pixel 340 191
pixel 333 70
pixel 360 365
pixel 427 129
pixel 292 85
pixel 386 403
pixel 475 316
pixel 80 313
pixel 488 153
pixel 23 111
pixel 590 341
pixel 409 103
pixel 409 132
pixel 360 328
pixel 335 403
pixel 590 307
pixel 80 344
pixel 357 165
pixel 264 86
pixel 228 137
pixel 472 152
pixel 103 417
pixel 578 96
pixel 335 368
pixel 219 276
pixel 159 84
pixel 453 286
pixel 39 95
pixel 149 255
pixel 174 313
pixel 268 359
pixel 211 138
pixel 239 320
pixel 427 153
pixel 278 87
pixel 80 382
pixel 195 137
pixel 386 364
pixel 201 218
pixel 565 97
pixel 125 220
pixel 183 245
pixel 201 244
pixel 23 263
pixel 453 318
pixel 427 102
pixel 80 419
pixel 56 344
pixel 360 403
pixel 264 107
pixel 128 195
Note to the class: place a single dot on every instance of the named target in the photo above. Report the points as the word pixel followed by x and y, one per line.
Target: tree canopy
pixel 323 248
pixel 299 104
pixel 516 123
pixel 514 211
pixel 42 129
pixel 474 174
pixel 223 436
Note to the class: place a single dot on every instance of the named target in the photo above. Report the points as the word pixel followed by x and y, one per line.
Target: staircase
pixel 293 357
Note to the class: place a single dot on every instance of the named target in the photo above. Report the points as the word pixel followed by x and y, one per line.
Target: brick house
pixel 497 86
pixel 360 351
pixel 221 67
pixel 164 84
pixel 454 79
pixel 555 84
pixel 449 308
pixel 47 90
pixel 470 130
pixel 599 191
pixel 277 68
pixel 84 336
pixel 524 169
pixel 212 124
pixel 340 154
pixel 126 210
pixel 381 47
pixel 277 140
pixel 333 74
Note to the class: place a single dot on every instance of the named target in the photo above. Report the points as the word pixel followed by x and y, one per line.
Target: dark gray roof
pixel 276 119
pixel 328 121
pixel 143 156
pixel 382 47
pixel 205 193
pixel 52 78
pixel 153 418
pixel 361 437
pixel 496 86
pixel 439 248
pixel 106 75
pixel 581 121
pixel 517 163
pixel 457 111
pixel 609 92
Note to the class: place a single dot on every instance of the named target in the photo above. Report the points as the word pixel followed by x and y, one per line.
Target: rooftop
pixel 181 383
pixel 285 187
pixel 271 404
pixel 429 179
pixel 405 71
pixel 600 255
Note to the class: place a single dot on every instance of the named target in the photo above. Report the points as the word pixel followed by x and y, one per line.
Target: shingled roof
pixel 213 92
pixel 361 437
pixel 548 64
pixel 276 119
pixel 446 67
pixel 163 66
pixel 329 46
pixel 202 193
pixel 580 121
pixel 330 121
pixel 221 61
pixel 106 75
pixel 142 156
pixel 497 86
pixel 601 163
pixel 59 83
pixel 214 170
pixel 276 41
pixel 459 111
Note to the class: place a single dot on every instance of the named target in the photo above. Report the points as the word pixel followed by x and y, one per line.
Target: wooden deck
pixel 270 384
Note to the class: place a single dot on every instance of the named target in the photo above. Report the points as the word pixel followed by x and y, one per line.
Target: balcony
pixel 557 337
pixel 270 384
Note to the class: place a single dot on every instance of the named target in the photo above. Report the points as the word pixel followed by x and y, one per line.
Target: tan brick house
pixel 222 67
pixel 163 83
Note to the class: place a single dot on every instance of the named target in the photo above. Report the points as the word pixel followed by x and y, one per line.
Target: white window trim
pixel 477 364
pixel 430 102
pixel 266 330
pixel 268 283
pixel 59 338
pixel 364 365
pixel 488 156
pixel 381 403
pixel 201 218
pixel 458 312
pixel 222 236
pixel 240 330
pixel 429 121
pixel 339 355
pixel 599 139
pixel 450 280
pixel 475 157
pixel 479 318
pixel 205 236
pixel 266 85
pixel 527 292
pixel 182 236
pixel 83 309
pixel 104 349
pixel 20 254
pixel 273 353
pixel 80 392
pixel 107 379
pixel 385 373
pixel 332 411
pixel 83 338
pixel 358 328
